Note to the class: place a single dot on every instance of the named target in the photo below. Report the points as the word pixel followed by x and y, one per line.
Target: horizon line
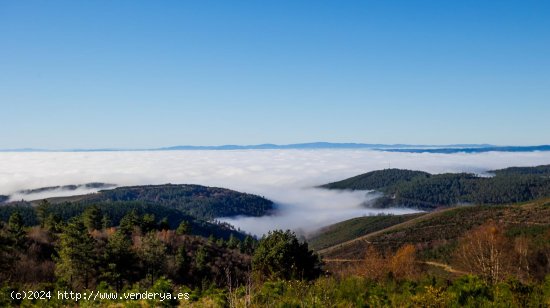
pixel 307 145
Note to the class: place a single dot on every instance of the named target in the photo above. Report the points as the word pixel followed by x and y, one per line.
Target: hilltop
pixel 422 190
pixel 195 204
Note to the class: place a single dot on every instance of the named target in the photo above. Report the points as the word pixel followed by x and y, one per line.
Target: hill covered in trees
pixel 167 204
pixel 417 189
pixel 198 201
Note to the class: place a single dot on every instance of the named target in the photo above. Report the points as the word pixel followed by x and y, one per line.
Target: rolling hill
pixel 353 228
pixel 435 234
pixel 417 189
pixel 195 204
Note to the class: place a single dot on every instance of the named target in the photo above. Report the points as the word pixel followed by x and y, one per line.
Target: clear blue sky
pixel 89 74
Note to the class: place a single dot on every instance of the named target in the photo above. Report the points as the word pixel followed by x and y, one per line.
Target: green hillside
pixel 436 233
pixel 415 189
pixel 198 201
pixel 353 228
pixel 197 205
pixel 377 180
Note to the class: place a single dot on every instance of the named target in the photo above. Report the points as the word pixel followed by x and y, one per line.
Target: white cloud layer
pixel 284 176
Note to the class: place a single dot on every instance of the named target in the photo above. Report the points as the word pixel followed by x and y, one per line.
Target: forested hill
pixel 195 200
pixel 428 191
pixel 154 205
pixel 376 180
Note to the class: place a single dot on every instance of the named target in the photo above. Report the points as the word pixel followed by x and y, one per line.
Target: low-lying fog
pixel 284 176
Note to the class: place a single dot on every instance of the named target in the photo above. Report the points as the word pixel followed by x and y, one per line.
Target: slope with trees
pixel 425 191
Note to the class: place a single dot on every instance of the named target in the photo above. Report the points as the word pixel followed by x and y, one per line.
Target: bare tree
pixel 403 263
pixel 485 251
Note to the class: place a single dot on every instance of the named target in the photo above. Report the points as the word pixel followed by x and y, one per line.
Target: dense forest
pixel 501 258
pixel 428 191
pixel 169 204
pixel 195 200
pixel 139 254
pixel 113 212
pixel 201 202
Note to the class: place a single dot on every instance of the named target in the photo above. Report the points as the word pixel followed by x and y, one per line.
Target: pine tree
pixel 120 259
pixel 42 212
pixel 76 263
pixel 152 255
pixel 15 228
pixel 92 217
pixel 148 223
pixel 106 222
pixel 233 242
pixel 129 222
pixel 183 228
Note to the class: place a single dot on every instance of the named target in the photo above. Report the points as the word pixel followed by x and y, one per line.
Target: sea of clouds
pixel 287 177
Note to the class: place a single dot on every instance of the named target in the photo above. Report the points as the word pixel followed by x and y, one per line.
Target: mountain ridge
pixel 272 146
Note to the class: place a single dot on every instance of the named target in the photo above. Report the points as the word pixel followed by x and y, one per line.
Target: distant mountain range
pixel 450 148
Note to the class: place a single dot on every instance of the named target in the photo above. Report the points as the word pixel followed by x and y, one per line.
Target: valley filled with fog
pixel 287 177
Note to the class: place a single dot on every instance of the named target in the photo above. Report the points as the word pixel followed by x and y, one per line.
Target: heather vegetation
pixel 353 228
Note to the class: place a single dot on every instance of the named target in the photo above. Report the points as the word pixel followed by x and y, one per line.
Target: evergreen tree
pixel 92 218
pixel 152 255
pixel 129 222
pixel 15 228
pixel 247 246
pixel 183 228
pixel 53 223
pixel 106 222
pixel 280 255
pixel 233 242
pixel 201 259
pixel 76 263
pixel 120 259
pixel 148 223
pixel 42 212
pixel 182 262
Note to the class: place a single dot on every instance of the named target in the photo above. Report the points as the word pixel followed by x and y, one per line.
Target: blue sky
pixel 90 74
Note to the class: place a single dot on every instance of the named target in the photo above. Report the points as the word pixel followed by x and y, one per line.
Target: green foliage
pixel 77 262
pixel 42 212
pixel 195 200
pixel 280 255
pixel 233 242
pixel 183 228
pixel 129 222
pixel 248 245
pixel 152 255
pixel 119 259
pixel 27 212
pixel 106 222
pixel 353 228
pixel 471 289
pixel 377 180
pixel 426 191
pixel 92 218
pixel 15 228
